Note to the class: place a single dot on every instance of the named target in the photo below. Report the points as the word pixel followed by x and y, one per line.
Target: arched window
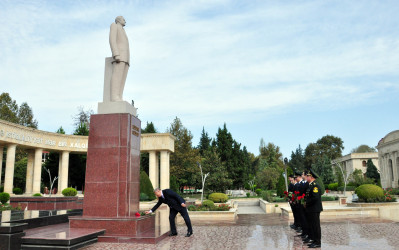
pixel 364 163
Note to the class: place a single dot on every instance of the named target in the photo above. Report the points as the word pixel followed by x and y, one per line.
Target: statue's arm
pixel 112 40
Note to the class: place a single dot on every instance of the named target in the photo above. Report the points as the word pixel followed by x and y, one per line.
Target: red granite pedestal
pixel 112 183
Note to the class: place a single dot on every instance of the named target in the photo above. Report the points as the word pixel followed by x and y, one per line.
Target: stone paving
pixel 256 231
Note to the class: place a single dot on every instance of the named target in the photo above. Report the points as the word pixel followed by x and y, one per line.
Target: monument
pixel 112 182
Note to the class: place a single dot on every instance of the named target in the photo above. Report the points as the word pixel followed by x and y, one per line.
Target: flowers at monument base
pixel 138 214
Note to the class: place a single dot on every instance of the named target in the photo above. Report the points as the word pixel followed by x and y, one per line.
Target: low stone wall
pixel 214 216
pixel 47 203
pixel 329 212
pixel 379 204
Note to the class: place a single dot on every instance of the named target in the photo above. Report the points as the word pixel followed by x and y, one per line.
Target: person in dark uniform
pixel 177 205
pixel 300 187
pixel 291 187
pixel 305 226
pixel 313 207
pixel 298 191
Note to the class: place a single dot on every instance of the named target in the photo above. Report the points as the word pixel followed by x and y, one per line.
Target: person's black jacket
pixel 290 187
pixel 172 199
pixel 313 198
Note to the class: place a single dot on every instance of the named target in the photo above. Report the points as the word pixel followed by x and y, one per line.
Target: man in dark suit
pixel 313 207
pixel 177 205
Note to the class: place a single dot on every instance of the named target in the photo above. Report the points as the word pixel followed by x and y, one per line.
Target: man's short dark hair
pixel 157 189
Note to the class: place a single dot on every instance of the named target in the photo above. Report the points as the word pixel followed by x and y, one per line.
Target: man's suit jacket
pixel 119 42
pixel 172 199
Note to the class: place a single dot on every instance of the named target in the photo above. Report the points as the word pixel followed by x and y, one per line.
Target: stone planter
pixel 214 216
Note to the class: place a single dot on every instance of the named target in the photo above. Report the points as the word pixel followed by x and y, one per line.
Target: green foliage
pixel 221 207
pixel 363 149
pixel 248 194
pixel 205 142
pixel 333 186
pixel 348 188
pixel 357 178
pixel 208 203
pixel 174 185
pixel 1 189
pixel 279 199
pixel 372 171
pixel 267 195
pixel 218 197
pixel 258 191
pixel 17 190
pixel 370 193
pixel 20 173
pixel 22 115
pixel 297 160
pixel 69 192
pixel 267 175
pixel 323 167
pixel 37 194
pixel 329 146
pixel 143 197
pixel 146 186
pixel 4 197
pixel 327 198
pixel 144 157
pixel 340 178
pixel 388 196
pixel 281 183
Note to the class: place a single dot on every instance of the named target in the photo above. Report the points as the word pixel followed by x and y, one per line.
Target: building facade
pixel 388 154
pixel 354 161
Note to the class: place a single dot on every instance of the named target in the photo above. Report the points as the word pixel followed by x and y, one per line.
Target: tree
pixel 20 173
pixel 83 116
pixel 77 162
pixel 372 171
pixel 183 163
pixel 363 149
pixel 323 167
pixel 297 160
pixel 329 145
pixel 8 108
pixel 203 180
pixel 144 157
pixel 146 186
pixel 205 142
pixel 25 116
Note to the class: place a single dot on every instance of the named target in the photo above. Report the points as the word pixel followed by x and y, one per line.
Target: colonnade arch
pixel 36 141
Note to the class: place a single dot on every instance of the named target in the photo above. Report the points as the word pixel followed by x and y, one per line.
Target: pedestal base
pixel 122 230
pixel 121 107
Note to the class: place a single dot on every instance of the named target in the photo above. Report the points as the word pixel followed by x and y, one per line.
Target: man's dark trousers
pixel 315 227
pixel 172 215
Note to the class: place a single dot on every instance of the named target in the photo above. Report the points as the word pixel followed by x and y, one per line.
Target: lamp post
pixel 285 173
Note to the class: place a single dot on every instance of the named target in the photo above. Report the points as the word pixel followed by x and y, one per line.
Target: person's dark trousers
pixel 304 223
pixel 184 214
pixel 294 214
pixel 309 223
pixel 315 225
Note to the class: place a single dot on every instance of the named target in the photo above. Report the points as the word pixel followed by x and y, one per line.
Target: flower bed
pixel 7 206
pixel 221 207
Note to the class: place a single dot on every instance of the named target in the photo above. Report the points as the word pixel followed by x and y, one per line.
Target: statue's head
pixel 121 20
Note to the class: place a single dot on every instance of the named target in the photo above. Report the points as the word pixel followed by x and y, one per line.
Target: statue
pixel 120 58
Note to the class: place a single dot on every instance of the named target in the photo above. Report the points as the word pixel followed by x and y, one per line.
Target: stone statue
pixel 121 58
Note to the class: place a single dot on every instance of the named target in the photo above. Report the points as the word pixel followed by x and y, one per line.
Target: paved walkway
pixel 250 210
pixel 272 232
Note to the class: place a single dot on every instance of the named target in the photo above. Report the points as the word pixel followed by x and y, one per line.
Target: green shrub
pixel 17 191
pixel 278 199
pixel 258 191
pixel 208 203
pixel 146 186
pixel 348 188
pixel 394 191
pixel 267 196
pixel 69 192
pixel 174 185
pixel 4 197
pixel 327 198
pixel 37 194
pixel 333 186
pixel 321 184
pixel 248 194
pixel 370 193
pixel 1 189
pixel 143 197
pixel 218 197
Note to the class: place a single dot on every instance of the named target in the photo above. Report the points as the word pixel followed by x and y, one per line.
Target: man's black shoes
pixel 172 234
pixel 189 234
pixel 315 245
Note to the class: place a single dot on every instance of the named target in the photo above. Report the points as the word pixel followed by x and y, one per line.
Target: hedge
pixel 4 197
pixel 17 190
pixel 218 197
pixel 348 188
pixel 69 192
pixel 37 194
pixel 327 198
pixel 370 193
pixel 208 203
pixel 333 186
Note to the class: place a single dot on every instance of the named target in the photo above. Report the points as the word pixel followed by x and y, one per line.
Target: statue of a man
pixel 121 57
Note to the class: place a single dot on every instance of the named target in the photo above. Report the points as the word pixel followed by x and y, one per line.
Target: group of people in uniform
pixel 304 196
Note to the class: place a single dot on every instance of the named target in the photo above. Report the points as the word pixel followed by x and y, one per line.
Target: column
pixel 1 161
pixel 29 172
pixel 59 190
pixel 63 178
pixel 153 169
pixel 37 171
pixel 9 175
pixel 165 173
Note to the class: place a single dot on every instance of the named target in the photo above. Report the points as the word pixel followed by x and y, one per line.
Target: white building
pixel 388 154
pixel 354 161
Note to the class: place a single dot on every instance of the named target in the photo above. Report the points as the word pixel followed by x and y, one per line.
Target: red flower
pixel 137 214
pixel 296 192
pixel 285 192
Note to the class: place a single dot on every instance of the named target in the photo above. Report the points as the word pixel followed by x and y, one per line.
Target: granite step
pixel 59 236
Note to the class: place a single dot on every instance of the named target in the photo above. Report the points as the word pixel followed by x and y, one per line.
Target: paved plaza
pixel 256 231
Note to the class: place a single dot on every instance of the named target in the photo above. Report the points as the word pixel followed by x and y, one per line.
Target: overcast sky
pixel 286 71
